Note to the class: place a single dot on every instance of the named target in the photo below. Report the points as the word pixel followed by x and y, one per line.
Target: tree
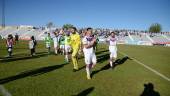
pixel 155 28
pixel 67 26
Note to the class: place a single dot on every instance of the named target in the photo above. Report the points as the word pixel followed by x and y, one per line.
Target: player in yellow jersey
pixel 75 44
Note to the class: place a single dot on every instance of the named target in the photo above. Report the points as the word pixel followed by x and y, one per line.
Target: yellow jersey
pixel 75 40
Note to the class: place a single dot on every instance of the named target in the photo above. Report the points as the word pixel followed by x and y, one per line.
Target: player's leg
pixel 55 48
pixel 60 49
pixel 34 50
pixel 49 48
pixel 87 59
pixel 31 51
pixel 79 53
pixel 111 56
pixel 69 51
pixel 9 51
pixel 111 59
pixel 74 58
pixel 66 53
pixel 114 57
pixel 63 49
pixel 94 60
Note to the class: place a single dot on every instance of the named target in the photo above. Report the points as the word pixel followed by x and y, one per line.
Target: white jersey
pixel 88 40
pixel 112 47
pixel 31 44
pixel 55 40
pixel 112 41
pixel 89 53
pixel 9 42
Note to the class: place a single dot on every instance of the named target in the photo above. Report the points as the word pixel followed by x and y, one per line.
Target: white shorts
pixel 55 45
pixel 90 58
pixel 48 45
pixel 67 48
pixel 113 51
pixel 62 47
pixel 9 49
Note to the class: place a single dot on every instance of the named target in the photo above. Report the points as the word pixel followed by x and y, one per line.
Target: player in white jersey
pixel 32 45
pixel 61 42
pixel 9 44
pixel 56 40
pixel 112 48
pixel 89 53
pixel 67 43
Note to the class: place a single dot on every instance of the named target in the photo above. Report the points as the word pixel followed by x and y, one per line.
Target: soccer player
pixel 16 38
pixel 75 45
pixel 55 40
pixel 32 45
pixel 9 44
pixel 48 42
pixel 112 48
pixel 62 43
pixel 89 53
pixel 97 41
pixel 67 46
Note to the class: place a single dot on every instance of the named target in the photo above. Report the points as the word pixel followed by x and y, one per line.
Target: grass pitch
pixel 49 75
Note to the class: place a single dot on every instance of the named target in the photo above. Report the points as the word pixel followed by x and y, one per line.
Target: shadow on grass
pixel 85 92
pixel 102 58
pixel 33 72
pixel 149 90
pixel 14 48
pixel 81 68
pixel 21 57
pixel 100 52
pixel 107 66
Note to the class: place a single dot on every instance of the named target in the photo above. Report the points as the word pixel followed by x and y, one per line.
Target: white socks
pixel 63 52
pixel 88 70
pixel 56 52
pixel 66 57
pixel 111 63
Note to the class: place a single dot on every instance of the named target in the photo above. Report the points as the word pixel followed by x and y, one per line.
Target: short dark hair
pixel 75 29
pixel 10 36
pixel 32 37
pixel 89 28
pixel 112 32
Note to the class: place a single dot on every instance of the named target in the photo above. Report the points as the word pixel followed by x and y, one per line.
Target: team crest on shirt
pixel 89 38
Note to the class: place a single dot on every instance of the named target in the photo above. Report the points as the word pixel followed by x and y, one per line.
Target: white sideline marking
pixel 3 91
pixel 147 67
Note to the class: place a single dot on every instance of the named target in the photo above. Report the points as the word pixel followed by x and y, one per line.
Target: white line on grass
pixel 3 91
pixel 147 67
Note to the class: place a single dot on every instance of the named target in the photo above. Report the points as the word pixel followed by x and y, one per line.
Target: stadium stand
pixel 124 36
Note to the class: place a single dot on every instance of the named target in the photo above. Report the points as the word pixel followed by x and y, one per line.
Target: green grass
pixel 47 75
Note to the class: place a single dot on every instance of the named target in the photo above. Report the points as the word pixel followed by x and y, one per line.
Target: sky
pixel 119 14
